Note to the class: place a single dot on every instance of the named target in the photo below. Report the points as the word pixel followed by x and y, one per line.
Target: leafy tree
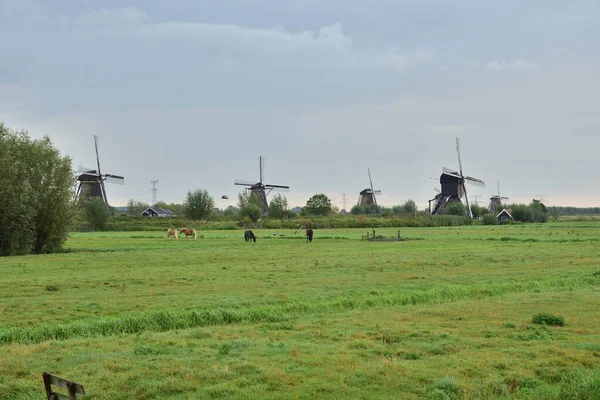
pixel 135 208
pixel 409 206
pixel 96 212
pixel 230 212
pixel 478 211
pixel 319 204
pixel 456 209
pixel 278 208
pixel 198 205
pixel 249 206
pixel 35 192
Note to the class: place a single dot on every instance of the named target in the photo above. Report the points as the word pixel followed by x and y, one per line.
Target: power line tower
pixel 476 198
pixel 344 200
pixel 154 190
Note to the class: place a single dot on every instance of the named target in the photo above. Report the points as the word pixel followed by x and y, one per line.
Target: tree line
pixel 39 206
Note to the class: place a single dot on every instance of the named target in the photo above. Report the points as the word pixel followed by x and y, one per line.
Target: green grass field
pixel 446 314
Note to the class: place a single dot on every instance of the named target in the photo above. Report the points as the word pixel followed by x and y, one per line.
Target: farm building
pixel 157 212
pixel 504 215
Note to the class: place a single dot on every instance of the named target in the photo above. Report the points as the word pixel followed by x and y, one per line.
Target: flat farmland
pixel 445 314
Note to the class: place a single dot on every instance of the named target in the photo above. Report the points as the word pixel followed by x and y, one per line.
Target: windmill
pixel 367 196
pixel 496 200
pixel 453 187
pixel 91 181
pixel 260 190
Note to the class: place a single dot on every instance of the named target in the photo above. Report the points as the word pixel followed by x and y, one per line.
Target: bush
pixel 548 319
pixel 455 209
pixel 489 219
pixel 95 211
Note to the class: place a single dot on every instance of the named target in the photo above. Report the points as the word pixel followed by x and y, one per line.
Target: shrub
pixel 489 219
pixel 548 319
pixel 455 209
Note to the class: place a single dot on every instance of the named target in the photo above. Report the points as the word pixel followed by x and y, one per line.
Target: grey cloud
pixel 512 65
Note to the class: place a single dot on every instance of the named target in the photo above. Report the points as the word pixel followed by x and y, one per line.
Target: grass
pixel 447 316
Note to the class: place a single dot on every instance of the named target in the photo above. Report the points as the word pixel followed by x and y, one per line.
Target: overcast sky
pixel 191 93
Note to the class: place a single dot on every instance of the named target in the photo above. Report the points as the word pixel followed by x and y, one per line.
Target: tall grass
pixel 160 321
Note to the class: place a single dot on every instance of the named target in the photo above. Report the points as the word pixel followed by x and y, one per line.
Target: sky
pixel 192 93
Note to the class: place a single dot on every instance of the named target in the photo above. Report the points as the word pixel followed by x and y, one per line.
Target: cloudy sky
pixel 191 93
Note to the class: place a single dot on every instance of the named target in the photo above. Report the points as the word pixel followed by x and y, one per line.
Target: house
pixel 504 215
pixel 157 212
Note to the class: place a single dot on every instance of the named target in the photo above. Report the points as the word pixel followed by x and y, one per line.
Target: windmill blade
pixel 437 190
pixel 370 180
pixel 277 186
pixel 97 157
pixel 119 180
pixel 244 183
pixel 376 191
pixel 474 181
pixel 262 168
pixel 82 168
pixel 449 170
pixel 458 152
pixel 467 200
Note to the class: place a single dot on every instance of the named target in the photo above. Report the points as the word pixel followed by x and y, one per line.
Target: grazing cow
pixel 172 234
pixel 188 232
pixel 309 235
pixel 249 235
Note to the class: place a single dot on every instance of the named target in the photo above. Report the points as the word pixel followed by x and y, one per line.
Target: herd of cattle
pixel 248 235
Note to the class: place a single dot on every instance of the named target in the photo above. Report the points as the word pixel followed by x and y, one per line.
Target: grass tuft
pixel 548 319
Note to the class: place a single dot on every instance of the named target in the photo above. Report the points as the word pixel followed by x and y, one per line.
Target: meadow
pixel 446 314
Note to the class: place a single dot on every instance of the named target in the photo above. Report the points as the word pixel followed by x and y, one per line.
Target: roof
pixel 506 211
pixel 158 211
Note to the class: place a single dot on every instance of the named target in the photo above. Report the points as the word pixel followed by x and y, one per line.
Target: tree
pixel 278 208
pixel 96 212
pixel 135 208
pixel 478 211
pixel 409 206
pixel 198 205
pixel 36 194
pixel 456 209
pixel 319 204
pixel 249 206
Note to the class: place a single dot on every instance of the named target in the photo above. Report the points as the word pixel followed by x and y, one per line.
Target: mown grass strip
pixel 160 321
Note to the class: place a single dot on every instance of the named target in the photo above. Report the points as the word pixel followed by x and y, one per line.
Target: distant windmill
pixel 496 200
pixel 91 181
pixel 259 189
pixel 453 187
pixel 367 196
